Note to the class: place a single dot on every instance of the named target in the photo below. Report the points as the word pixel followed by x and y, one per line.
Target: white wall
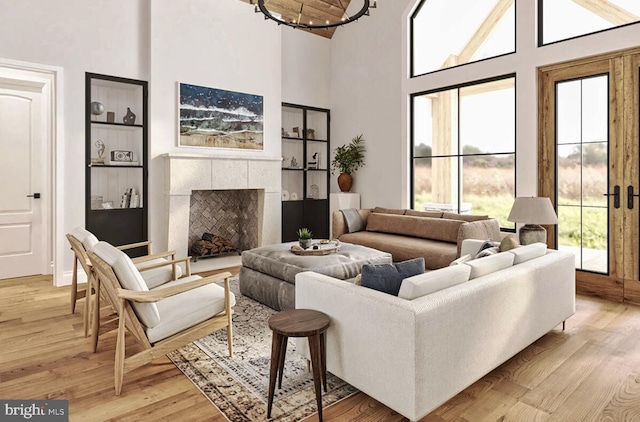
pixel 366 98
pixel 221 44
pixel 370 92
pixel 306 68
pixel 218 44
pixel 108 37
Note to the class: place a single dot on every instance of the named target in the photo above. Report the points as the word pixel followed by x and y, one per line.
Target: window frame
pixel 413 74
pixel 459 156
pixel 540 27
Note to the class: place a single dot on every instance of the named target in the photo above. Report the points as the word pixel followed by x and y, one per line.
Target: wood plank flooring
pixel 590 372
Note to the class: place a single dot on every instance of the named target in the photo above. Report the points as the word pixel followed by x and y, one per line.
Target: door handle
pixel 34 196
pixel 616 196
pixel 630 196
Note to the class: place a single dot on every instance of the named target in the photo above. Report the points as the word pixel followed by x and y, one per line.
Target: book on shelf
pixel 130 199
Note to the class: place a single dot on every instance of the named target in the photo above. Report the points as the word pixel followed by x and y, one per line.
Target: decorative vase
pixel 305 243
pixel 129 118
pixel 97 108
pixel 345 180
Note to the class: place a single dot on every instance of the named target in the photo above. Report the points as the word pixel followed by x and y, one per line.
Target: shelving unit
pixel 305 170
pixel 116 159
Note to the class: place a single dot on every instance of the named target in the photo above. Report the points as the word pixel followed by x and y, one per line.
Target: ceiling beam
pixel 608 11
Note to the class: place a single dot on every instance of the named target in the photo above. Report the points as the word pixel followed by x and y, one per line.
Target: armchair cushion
pixel 88 239
pixel 202 303
pixel 130 279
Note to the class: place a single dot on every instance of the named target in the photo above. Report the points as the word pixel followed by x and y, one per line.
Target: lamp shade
pixel 533 210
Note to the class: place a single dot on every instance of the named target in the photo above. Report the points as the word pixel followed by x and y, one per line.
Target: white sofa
pixel 414 355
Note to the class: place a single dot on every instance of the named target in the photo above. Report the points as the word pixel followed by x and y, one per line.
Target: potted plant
pixel 347 159
pixel 305 237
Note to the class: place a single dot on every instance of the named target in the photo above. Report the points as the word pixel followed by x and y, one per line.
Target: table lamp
pixel 533 211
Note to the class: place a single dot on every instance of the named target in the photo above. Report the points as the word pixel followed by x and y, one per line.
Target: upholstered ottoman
pixel 268 273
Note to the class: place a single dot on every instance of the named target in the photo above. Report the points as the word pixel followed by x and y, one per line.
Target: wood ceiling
pixel 313 10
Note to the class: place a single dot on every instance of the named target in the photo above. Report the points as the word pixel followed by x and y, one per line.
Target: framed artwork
pixel 215 118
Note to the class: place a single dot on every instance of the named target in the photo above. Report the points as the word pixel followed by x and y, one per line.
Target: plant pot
pixel 345 180
pixel 305 243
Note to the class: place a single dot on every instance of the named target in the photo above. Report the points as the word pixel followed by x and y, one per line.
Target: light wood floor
pixel 590 372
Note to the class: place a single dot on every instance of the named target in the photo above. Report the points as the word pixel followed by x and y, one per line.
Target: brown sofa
pixel 408 234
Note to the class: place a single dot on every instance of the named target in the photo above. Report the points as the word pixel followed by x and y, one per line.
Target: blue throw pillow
pixel 387 278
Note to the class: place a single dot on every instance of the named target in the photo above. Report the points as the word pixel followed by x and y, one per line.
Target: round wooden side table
pixel 299 323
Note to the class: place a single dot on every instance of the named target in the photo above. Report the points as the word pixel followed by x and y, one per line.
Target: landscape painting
pixel 217 118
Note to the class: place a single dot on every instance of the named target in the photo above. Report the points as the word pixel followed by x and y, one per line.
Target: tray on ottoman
pixel 268 272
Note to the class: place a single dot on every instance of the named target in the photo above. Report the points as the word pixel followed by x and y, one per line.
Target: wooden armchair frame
pixel 80 255
pixel 107 282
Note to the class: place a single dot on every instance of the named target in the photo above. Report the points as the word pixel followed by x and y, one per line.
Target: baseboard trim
pixel 67 277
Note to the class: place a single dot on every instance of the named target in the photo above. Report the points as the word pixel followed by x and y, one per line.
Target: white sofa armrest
pixel 470 247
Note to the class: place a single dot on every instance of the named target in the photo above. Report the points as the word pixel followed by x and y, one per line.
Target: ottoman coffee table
pixel 268 273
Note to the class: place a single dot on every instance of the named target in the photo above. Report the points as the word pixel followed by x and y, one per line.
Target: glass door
pixel 588 166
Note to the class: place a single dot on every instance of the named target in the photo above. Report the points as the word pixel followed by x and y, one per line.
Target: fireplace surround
pixel 186 173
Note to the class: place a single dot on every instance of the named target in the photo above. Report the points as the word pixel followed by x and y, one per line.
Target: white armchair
pixel 161 319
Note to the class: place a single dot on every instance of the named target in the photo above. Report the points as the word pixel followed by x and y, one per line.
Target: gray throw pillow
pixel 352 220
pixel 387 278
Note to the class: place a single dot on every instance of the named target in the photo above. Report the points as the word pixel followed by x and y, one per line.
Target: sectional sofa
pixel 416 351
pixel 408 234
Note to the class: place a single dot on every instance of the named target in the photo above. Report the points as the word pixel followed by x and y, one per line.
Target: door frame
pixel 51 80
pixel 610 286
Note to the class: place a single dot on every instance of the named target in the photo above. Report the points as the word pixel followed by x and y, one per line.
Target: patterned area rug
pixel 239 386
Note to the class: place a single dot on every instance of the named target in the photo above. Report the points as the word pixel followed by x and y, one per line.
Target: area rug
pixel 239 386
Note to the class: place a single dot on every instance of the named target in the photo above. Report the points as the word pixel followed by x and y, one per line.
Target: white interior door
pixel 22 160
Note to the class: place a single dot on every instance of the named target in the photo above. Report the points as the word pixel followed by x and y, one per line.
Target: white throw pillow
pixel 489 264
pixel 525 253
pixel 423 284
pixel 462 260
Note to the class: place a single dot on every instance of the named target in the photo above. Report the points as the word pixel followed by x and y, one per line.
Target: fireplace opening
pixel 222 222
pixel 211 245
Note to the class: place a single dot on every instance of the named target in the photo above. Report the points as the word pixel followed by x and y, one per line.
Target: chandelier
pixel 311 18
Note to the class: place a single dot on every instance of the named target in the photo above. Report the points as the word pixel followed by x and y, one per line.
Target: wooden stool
pixel 299 323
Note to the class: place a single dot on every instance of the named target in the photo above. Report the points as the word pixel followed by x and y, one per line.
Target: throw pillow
pixel 461 260
pixel 486 245
pixel 387 278
pixel 509 242
pixel 352 220
pixel 487 252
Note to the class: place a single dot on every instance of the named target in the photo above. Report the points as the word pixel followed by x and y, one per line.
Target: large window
pixel 464 149
pixel 586 17
pixel 447 33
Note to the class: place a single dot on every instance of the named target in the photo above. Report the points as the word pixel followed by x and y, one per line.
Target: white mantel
pixel 188 172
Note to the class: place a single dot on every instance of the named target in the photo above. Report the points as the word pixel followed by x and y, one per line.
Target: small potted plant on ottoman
pixel 305 237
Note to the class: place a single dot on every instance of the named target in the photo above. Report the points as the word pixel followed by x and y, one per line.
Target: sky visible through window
pixel 444 32
pixel 562 19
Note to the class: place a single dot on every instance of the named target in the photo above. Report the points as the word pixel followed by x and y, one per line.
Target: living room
pixel 360 74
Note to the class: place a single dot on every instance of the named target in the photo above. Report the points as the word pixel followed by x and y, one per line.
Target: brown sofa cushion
pixel 464 217
pixel 432 214
pixel 436 254
pixel 382 210
pixel 424 227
